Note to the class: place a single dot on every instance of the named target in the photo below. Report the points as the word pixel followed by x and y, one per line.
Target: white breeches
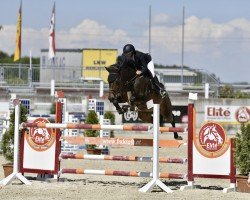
pixel 151 68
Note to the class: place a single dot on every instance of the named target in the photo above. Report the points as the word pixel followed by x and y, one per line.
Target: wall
pixel 65 68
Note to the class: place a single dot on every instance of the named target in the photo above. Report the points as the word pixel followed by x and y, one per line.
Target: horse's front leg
pixel 118 107
pixel 131 100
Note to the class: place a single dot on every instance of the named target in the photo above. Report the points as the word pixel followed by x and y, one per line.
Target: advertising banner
pixel 180 113
pixel 227 114
pixel 94 61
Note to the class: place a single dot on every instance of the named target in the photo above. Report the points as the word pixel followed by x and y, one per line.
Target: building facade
pixel 72 65
pixel 65 67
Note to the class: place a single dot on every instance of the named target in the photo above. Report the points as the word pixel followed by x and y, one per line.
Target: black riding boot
pixel 159 87
pixel 132 103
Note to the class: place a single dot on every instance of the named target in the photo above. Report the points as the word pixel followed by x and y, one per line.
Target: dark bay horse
pixel 122 79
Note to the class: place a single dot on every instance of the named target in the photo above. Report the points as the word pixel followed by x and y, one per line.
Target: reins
pixel 131 80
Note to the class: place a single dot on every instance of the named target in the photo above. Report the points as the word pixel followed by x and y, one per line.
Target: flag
pixel 52 46
pixel 17 54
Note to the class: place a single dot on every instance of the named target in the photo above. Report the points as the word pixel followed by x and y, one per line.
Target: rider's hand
pixel 138 72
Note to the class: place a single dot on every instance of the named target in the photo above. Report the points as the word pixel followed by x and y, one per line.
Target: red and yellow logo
pixel 212 140
pixel 41 139
pixel 242 115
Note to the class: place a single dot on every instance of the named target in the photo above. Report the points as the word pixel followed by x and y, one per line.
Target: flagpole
pixel 51 54
pixel 182 44
pixel 54 40
pixel 149 31
pixel 30 70
pixel 19 70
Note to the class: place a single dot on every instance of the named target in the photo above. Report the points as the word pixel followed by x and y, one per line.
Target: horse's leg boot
pixel 161 90
pixel 132 103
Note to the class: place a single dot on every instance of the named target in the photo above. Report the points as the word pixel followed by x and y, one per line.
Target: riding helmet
pixel 128 48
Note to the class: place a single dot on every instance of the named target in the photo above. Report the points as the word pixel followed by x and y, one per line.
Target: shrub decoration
pixel 8 136
pixel 92 118
pixel 242 154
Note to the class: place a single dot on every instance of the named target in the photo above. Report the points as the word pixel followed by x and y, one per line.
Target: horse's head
pixel 113 78
pixel 119 75
pixel 211 133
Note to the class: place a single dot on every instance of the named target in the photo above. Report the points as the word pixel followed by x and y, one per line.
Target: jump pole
pixel 16 173
pixel 122 158
pixel 156 181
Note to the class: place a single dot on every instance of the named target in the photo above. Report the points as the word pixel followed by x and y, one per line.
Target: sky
pixel 216 33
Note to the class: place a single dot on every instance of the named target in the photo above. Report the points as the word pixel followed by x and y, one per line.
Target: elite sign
pixel 228 114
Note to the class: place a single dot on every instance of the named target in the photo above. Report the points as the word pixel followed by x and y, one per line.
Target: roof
pixel 174 72
pixel 77 50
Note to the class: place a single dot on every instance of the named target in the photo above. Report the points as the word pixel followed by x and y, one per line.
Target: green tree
pixel 53 108
pixel 6 58
pixel 111 116
pixel 226 91
pixel 8 136
pixel 242 154
pixel 92 118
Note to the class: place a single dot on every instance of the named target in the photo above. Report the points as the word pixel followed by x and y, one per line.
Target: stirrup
pixel 163 93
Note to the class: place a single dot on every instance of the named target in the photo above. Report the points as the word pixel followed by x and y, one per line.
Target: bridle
pixel 112 91
pixel 121 87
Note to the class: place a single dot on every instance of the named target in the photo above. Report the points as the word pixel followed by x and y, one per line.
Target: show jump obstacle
pixel 209 153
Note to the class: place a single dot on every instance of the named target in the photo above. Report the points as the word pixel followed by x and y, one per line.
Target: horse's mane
pixel 122 68
pixel 127 70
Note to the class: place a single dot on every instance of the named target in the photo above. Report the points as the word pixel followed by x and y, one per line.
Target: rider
pixel 144 65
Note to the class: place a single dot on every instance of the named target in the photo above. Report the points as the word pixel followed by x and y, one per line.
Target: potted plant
pixel 92 118
pixel 111 116
pixel 8 141
pixel 242 158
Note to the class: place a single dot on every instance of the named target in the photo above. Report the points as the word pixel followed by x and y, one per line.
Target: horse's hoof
pixel 178 138
pixel 125 108
pixel 121 111
pixel 132 108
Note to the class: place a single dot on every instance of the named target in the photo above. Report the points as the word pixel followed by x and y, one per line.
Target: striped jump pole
pixel 101 127
pixel 121 173
pixel 173 129
pixel 87 126
pixel 122 158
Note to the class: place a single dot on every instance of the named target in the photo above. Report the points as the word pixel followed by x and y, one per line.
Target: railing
pixel 30 77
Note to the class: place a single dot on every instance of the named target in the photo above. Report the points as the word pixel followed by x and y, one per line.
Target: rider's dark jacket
pixel 140 61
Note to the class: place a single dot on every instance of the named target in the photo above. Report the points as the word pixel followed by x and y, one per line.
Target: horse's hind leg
pixel 176 136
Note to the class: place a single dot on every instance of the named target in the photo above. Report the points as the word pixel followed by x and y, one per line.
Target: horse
pixel 123 78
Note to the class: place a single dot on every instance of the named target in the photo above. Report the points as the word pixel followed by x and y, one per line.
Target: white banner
pixel 227 114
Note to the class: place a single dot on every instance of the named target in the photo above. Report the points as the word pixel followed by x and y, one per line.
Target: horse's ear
pixel 107 68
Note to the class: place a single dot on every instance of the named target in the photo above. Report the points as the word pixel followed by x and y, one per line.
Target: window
pixel 100 107
pixel 26 103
